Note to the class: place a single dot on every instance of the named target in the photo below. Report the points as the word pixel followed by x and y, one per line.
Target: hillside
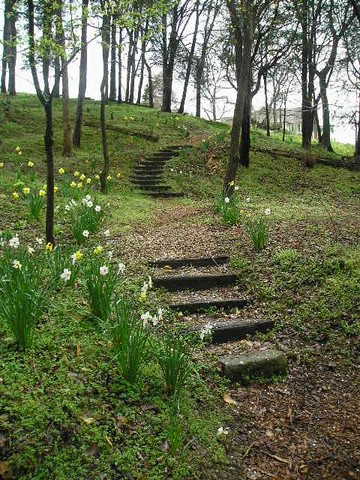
pixel 68 410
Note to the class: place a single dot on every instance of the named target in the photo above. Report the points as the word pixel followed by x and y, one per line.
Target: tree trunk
pixel 82 75
pixel 267 113
pixel 48 140
pixel 142 68
pixel 47 34
pixel 57 68
pixel 4 61
pixel 128 68
pixel 284 120
pixel 12 48
pixel 119 95
pixel 67 145
pixel 169 54
pixel 326 133
pixel 133 67
pixel 245 131
pixel 199 75
pixel 317 124
pixel 112 93
pixel 151 86
pixel 243 43
pixel 105 34
pixel 191 58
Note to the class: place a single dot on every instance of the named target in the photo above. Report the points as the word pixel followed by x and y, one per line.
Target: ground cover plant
pixel 112 386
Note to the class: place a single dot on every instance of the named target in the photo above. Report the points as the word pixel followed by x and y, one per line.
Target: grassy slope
pixel 44 431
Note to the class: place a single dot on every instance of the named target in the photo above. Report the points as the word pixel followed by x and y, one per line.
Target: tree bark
pixel 151 86
pixel 169 53
pixel 4 60
pixel 82 75
pixel 133 66
pixel 112 93
pixel 142 60
pixel 245 131
pixel 191 58
pixel 267 113
pixel 12 48
pixel 67 141
pixel 50 182
pixel 119 95
pixel 105 34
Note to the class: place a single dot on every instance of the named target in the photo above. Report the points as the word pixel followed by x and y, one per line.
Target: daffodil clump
pixel 258 230
pixel 34 198
pixel 22 289
pixel 85 217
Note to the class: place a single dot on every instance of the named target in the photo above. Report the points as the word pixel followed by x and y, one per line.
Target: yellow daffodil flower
pixel 82 177
pixel 15 195
pixel 79 185
pixel 73 184
pixel 30 164
pixel 49 247
pixel 61 171
pixel 42 193
pixel 26 190
pixel 98 250
pixel 76 174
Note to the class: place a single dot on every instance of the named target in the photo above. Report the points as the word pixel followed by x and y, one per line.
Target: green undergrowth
pixel 66 410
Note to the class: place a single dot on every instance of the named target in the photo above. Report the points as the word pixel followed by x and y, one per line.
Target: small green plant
pixel 36 202
pixel 101 281
pixel 85 218
pixel 229 208
pixel 257 229
pixel 21 294
pixel 173 357
pixel 130 338
pixel 175 433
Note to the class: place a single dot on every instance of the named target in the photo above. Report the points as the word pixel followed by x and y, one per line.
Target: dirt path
pixel 306 427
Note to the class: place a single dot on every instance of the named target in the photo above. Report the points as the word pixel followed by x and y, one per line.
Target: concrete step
pixel 186 262
pixel 202 305
pixel 194 282
pixel 238 329
pixel 263 363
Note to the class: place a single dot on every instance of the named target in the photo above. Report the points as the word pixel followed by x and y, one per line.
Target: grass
pixel 66 407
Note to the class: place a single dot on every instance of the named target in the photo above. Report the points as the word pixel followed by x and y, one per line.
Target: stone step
pixel 176 147
pixel 152 162
pixel 141 181
pixel 264 363
pixel 164 194
pixel 185 262
pixel 154 188
pixel 151 177
pixel 200 306
pixel 194 282
pixel 148 171
pixel 222 332
pixel 165 154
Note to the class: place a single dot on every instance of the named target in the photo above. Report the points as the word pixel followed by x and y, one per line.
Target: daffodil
pixel 17 265
pixel 17 149
pixel 82 177
pixel 79 185
pixel 76 174
pixel 15 195
pixel 97 177
pixel 75 257
pixel 98 250
pixel 121 268
pixel 88 181
pixel 104 270
pixel 227 200
pixel 49 247
pixel 61 171
pixel 267 211
pixel 1 164
pixel 86 233
pixel 118 175
pixel 30 250
pixel 108 177
pixel 73 184
pixel 65 275
pixel 56 189
pixel 97 208
pixel 30 164
pixel 231 184
pixel 26 190
pixel 14 242
pixel 42 193
pixel 142 297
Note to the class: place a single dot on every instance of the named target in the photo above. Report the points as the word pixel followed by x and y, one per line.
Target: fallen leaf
pixel 269 433
pixel 78 350
pixel 229 400
pixel 88 420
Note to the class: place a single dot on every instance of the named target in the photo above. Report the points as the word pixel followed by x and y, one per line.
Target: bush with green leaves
pixel 22 296
pixel 130 338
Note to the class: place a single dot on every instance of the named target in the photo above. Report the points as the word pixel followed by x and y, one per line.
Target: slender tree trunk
pixel 325 140
pixel 119 95
pixel 128 68
pixel 5 55
pixel 57 68
pixel 67 141
pixel 47 24
pixel 48 140
pixel 82 75
pixel 169 55
pixel 143 60
pixel 151 86
pixel 133 67
pixel 112 93
pixel 267 113
pixel 284 120
pixel 104 97
pixel 243 42
pixel 12 48
pixel 191 59
pixel 245 130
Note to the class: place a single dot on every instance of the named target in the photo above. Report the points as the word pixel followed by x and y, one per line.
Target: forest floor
pixel 65 410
